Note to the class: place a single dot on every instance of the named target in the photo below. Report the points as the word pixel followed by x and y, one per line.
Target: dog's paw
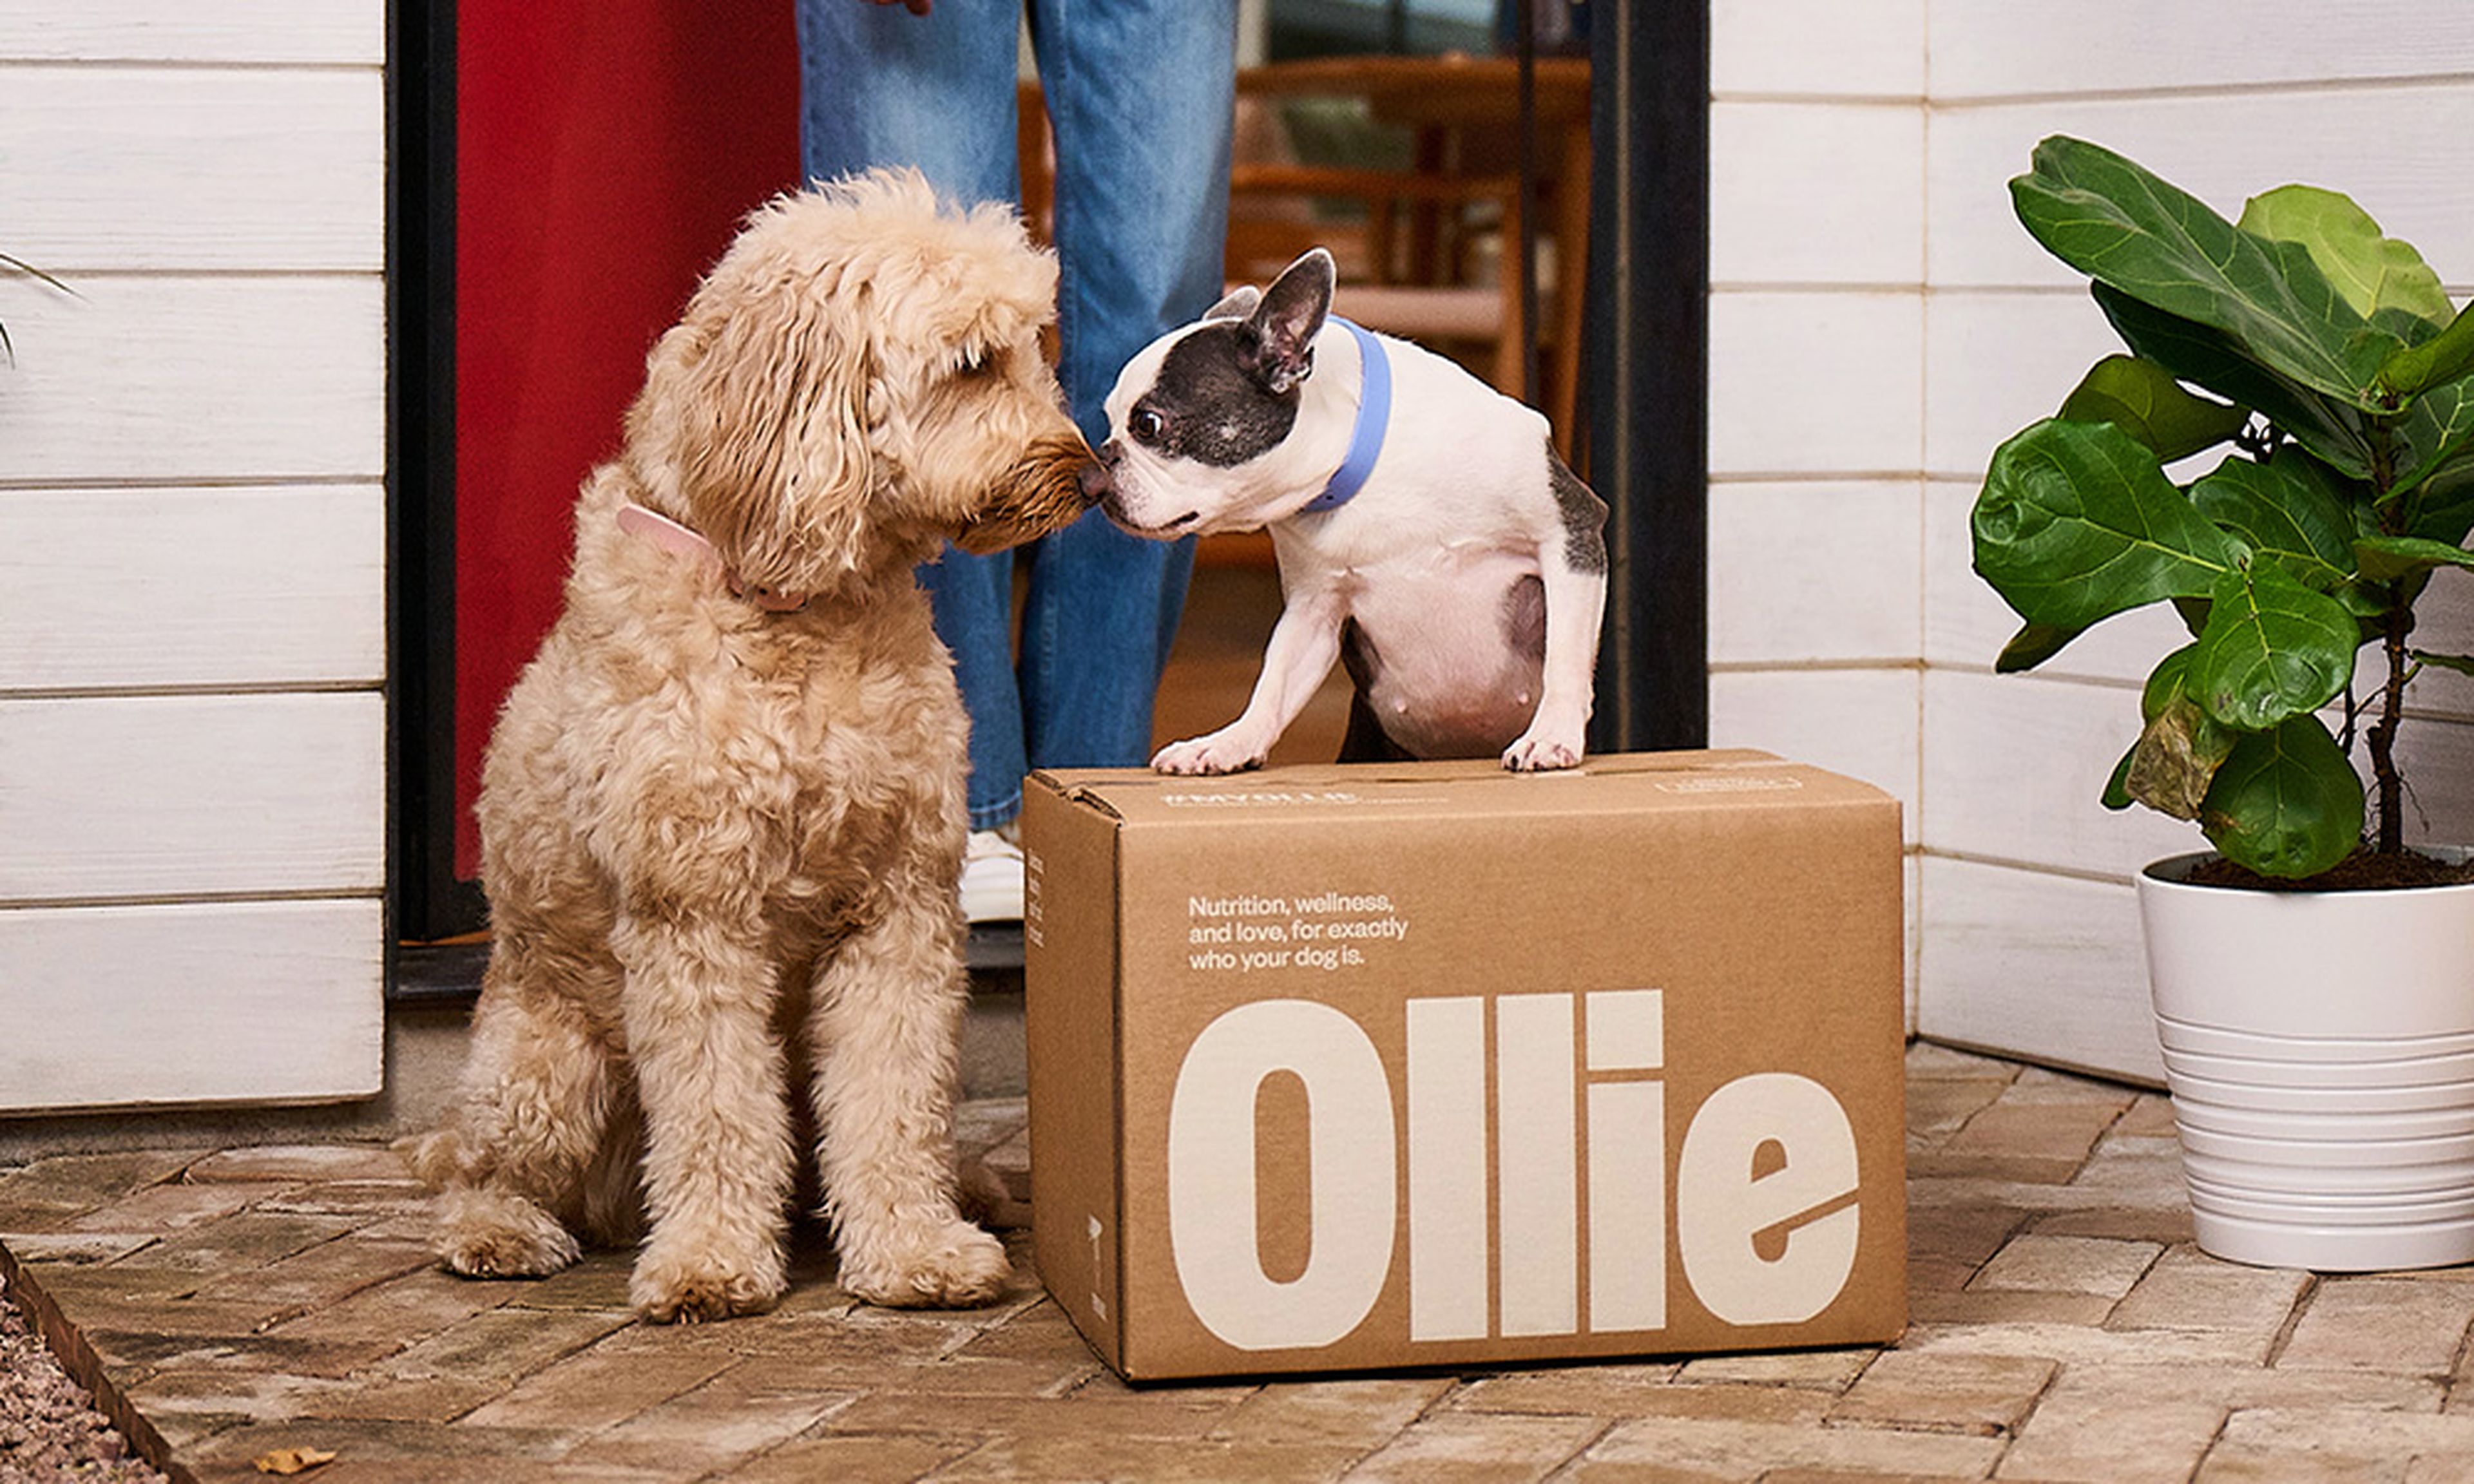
pixel 1217 752
pixel 431 1157
pixel 686 1291
pixel 485 1233
pixel 1534 752
pixel 959 1267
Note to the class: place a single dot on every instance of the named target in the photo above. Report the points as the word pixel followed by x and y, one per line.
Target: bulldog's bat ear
pixel 1278 339
pixel 1237 305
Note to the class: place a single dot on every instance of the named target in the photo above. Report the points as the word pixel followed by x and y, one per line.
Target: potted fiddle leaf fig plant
pixel 2311 975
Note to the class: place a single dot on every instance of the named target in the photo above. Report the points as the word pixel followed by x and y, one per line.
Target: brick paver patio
pixel 253 1299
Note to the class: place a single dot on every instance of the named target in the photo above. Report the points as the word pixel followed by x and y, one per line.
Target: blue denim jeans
pixel 1140 94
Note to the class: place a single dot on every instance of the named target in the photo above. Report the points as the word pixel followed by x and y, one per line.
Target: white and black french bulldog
pixel 1426 532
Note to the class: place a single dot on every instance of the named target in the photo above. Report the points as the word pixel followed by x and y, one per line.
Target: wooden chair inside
pixel 1429 243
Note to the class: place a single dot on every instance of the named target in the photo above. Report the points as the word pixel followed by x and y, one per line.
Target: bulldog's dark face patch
pixel 1205 407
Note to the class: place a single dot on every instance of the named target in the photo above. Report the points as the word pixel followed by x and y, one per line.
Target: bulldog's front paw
pixel 1541 752
pixel 1225 751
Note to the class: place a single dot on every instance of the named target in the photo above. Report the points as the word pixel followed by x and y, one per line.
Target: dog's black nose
pixel 1094 482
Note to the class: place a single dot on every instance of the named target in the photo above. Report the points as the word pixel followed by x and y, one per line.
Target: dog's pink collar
pixel 679 540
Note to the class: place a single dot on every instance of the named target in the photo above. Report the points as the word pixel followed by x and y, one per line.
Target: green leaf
pixel 2285 802
pixel 2143 400
pixel 2441 508
pixel 2032 646
pixel 2371 271
pixel 2117 788
pixel 2272 649
pixel 2444 357
pixel 2436 428
pixel 2077 523
pixel 2463 665
pixel 2329 427
pixel 2286 507
pixel 2165 682
pixel 2121 225
pixel 2385 559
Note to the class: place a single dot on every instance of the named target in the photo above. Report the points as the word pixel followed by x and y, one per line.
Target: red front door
pixel 605 150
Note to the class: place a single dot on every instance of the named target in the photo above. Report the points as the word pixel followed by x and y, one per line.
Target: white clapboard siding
pixel 198 1002
pixel 1823 570
pixel 2443 625
pixel 185 796
pixel 193 542
pixel 1858 722
pixel 1816 194
pixel 1817 48
pixel 122 167
pixel 295 31
pixel 2394 148
pixel 2024 962
pixel 2000 48
pixel 2014 766
pixel 1815 383
pixel 192 587
pixel 2437 755
pixel 161 378
pixel 1996 362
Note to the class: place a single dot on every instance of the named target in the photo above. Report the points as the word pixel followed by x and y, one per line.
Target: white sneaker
pixel 992 877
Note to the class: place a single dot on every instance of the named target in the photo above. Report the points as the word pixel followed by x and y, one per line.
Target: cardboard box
pixel 1343 1068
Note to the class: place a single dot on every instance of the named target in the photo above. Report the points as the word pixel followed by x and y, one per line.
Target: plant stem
pixel 2398 623
pixel 2391 789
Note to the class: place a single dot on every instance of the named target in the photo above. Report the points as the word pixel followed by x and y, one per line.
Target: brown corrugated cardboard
pixel 1348 1068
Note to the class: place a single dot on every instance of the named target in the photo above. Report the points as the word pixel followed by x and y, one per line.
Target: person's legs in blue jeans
pixel 880 86
pixel 1141 96
pixel 1140 92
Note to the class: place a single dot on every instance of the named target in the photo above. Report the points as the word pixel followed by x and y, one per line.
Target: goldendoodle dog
pixel 722 812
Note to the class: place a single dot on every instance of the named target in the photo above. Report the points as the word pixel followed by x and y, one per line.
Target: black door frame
pixel 428 901
pixel 1647 346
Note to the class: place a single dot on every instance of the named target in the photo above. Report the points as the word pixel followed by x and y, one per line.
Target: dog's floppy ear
pixel 1276 345
pixel 1239 303
pixel 755 412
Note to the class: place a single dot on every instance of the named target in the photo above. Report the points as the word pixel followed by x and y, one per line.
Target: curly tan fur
pixel 722 842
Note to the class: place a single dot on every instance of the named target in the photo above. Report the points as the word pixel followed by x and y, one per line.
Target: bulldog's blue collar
pixel 1374 417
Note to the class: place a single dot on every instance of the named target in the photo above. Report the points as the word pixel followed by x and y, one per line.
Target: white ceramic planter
pixel 2321 1050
